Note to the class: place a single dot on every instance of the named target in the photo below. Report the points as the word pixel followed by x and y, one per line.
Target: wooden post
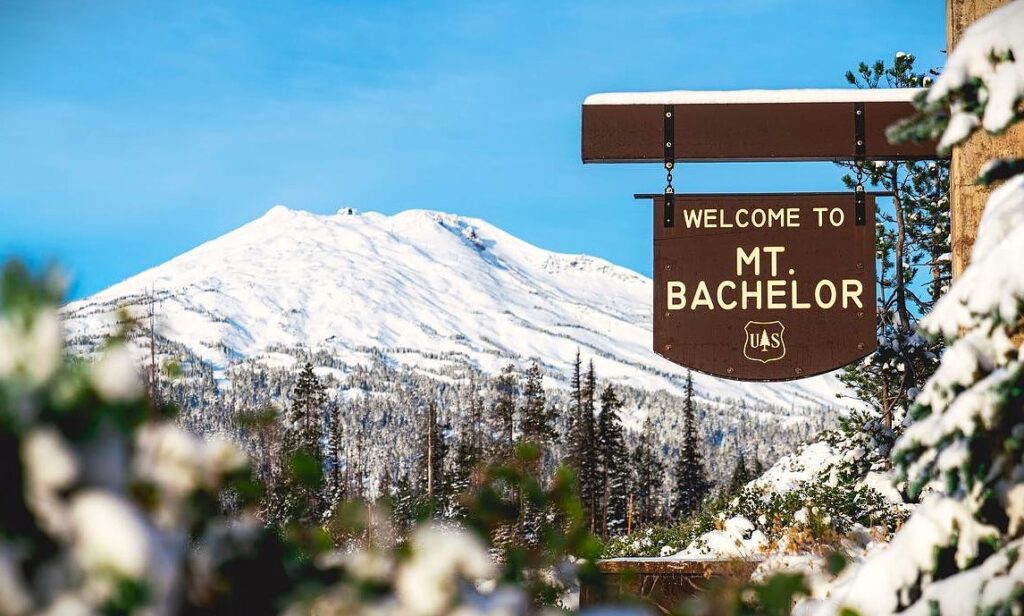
pixel 967 199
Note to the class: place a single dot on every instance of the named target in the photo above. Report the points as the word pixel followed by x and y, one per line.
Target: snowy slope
pixel 426 287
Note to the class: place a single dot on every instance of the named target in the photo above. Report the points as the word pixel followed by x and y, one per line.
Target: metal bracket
pixel 670 133
pixel 858 132
pixel 668 138
pixel 860 210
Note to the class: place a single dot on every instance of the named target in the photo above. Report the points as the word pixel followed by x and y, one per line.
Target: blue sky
pixel 133 131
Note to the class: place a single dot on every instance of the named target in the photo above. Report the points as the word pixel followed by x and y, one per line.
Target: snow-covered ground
pixel 425 287
pixel 763 536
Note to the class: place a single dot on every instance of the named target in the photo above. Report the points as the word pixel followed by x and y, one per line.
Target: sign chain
pixel 860 215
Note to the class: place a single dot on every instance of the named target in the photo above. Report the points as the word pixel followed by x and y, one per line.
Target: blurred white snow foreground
pixel 78 491
pixel 111 508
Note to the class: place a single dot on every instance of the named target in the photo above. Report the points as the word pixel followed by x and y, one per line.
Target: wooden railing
pixel 665 583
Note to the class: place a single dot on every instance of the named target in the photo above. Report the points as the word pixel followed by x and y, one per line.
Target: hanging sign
pixel 764 287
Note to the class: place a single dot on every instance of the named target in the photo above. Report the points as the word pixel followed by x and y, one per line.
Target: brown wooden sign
pixel 765 287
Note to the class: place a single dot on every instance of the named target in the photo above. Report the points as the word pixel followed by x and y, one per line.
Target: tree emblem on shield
pixel 764 341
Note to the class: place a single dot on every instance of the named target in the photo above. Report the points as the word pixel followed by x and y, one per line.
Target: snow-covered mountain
pixel 426 288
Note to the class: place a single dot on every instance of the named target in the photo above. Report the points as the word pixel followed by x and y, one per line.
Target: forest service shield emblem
pixel 764 341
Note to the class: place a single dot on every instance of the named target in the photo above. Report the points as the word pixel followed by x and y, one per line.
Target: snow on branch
pixel 981 79
pixel 889 575
pixel 992 286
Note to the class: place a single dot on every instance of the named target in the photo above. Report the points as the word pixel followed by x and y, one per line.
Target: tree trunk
pixel 901 290
pixel 967 199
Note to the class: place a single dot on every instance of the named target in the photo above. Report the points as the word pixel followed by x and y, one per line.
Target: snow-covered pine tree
pixel 305 415
pixel 613 462
pixel 503 415
pixel 648 479
pixel 355 469
pixel 928 229
pixel 460 478
pixel 578 450
pixel 692 483
pixel 296 493
pixel 403 504
pixel 960 551
pixel 590 478
pixel 583 439
pixel 470 445
pixel 385 488
pixel 741 475
pixel 537 431
pixel 536 417
pixel 503 424
pixel 912 246
pixel 335 485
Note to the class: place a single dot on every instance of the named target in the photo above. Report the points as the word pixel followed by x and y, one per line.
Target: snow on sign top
pixel 719 97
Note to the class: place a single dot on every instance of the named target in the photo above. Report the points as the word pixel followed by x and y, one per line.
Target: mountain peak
pixel 426 288
pixel 279 209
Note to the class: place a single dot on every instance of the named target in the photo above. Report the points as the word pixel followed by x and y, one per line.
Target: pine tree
pixel 741 475
pixel 692 484
pixel 911 241
pixel 333 463
pixel 613 462
pixel 404 504
pixel 576 450
pixel 384 488
pixel 582 435
pixel 589 473
pixel 648 479
pixel 538 431
pixel 470 453
pixel 475 421
pixel 461 478
pixel 503 413
pixel 928 230
pixel 297 493
pixel 537 419
pixel 758 468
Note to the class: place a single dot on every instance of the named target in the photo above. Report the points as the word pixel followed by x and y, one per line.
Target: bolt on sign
pixel 765 286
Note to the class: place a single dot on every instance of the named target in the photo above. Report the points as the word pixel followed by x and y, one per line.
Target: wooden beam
pixel 746 126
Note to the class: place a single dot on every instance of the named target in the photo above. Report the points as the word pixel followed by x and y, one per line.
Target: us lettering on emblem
pixel 764 342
